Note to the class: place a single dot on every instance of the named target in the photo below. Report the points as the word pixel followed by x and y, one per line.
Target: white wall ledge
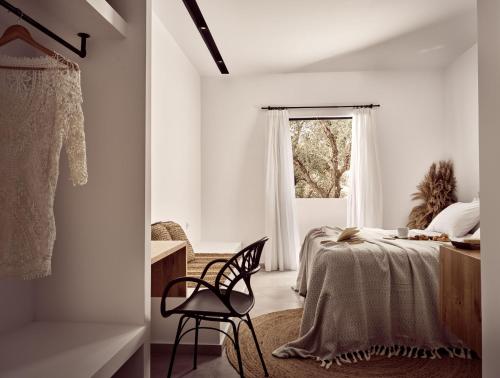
pixel 62 349
pixel 105 10
pixel 95 17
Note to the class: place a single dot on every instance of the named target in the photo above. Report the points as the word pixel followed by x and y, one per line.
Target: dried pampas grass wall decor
pixel 437 191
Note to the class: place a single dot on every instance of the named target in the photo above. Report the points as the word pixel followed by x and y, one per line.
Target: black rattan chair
pixel 219 302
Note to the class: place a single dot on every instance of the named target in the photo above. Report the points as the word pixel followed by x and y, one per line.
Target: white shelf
pixel 95 17
pixel 110 15
pixel 61 350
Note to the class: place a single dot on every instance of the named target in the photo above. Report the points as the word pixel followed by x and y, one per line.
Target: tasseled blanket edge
pixel 36 275
pixel 25 276
pixel 395 350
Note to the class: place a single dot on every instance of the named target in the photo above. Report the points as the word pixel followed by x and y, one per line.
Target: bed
pixel 376 297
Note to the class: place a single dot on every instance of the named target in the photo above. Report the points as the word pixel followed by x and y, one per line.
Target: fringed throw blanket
pixel 377 297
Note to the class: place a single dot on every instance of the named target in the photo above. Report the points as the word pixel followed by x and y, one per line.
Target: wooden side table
pixel 460 294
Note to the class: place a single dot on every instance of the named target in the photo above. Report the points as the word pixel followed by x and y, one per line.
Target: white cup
pixel 403 232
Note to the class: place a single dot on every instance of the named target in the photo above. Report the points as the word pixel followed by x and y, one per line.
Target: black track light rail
pixel 201 25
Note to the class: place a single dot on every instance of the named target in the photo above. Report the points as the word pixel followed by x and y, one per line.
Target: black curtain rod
pixel 320 107
pixel 82 52
pixel 317 118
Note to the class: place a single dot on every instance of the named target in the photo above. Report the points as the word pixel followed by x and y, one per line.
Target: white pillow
pixel 457 219
pixel 476 235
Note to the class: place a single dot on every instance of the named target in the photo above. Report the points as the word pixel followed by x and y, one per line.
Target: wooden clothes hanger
pixel 15 32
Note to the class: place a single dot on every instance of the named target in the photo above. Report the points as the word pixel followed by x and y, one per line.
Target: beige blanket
pixel 378 297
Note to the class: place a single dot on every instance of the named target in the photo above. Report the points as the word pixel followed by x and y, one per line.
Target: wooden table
pixel 461 294
pixel 168 262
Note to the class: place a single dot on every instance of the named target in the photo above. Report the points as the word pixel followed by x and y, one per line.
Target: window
pixel 321 156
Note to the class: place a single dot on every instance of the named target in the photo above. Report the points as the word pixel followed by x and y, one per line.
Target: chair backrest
pixel 239 268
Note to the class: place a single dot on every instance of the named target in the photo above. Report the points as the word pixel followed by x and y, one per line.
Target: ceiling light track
pixel 201 25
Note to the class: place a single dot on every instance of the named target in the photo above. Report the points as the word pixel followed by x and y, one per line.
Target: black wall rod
pixel 82 52
pixel 320 107
pixel 318 118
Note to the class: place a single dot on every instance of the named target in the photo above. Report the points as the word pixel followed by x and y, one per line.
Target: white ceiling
pixel 276 36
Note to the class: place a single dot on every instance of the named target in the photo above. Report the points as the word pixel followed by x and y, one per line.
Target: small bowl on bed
pixel 466 245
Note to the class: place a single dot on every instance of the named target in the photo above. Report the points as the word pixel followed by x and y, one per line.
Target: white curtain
pixel 364 207
pixel 282 248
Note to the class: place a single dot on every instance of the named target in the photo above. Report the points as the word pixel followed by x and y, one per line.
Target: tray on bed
pixel 466 245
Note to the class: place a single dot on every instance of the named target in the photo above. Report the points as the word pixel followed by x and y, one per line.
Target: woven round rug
pixel 278 328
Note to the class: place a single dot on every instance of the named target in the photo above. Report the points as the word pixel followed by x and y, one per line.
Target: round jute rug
pixel 278 328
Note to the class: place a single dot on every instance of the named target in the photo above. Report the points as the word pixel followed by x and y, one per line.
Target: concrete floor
pixel 272 293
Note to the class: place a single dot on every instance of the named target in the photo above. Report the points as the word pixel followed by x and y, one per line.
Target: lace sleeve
pixel 74 135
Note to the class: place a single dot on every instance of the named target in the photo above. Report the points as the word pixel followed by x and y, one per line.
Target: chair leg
pixel 197 325
pixel 250 325
pixel 174 350
pixel 237 347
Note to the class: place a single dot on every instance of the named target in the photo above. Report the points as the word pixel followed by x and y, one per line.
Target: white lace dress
pixel 40 111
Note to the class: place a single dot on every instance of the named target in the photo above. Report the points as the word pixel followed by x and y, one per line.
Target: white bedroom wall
pixel 410 129
pixel 489 135
pixel 175 134
pixel 462 121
